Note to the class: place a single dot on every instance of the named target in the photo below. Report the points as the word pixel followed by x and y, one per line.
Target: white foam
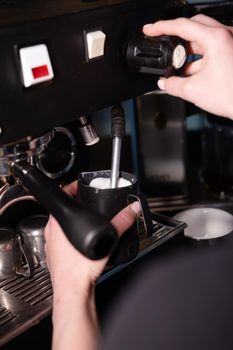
pixel 104 182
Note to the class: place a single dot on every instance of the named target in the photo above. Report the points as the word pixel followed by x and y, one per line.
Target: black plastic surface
pixel 80 86
pixel 154 55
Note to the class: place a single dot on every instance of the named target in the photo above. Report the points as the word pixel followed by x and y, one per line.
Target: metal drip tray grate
pixel 33 291
pixel 6 316
pixel 164 228
pixel 23 303
pixel 26 301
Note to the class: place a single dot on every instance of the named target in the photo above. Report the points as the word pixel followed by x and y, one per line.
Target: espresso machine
pixel 60 63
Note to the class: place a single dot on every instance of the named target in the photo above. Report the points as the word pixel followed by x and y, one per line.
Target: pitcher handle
pixel 146 215
pixel 20 269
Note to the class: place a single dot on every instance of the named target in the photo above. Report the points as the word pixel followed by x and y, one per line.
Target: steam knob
pixel 162 55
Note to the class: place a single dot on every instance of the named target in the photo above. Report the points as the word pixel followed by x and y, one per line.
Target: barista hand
pixel 62 256
pixel 73 278
pixel 208 81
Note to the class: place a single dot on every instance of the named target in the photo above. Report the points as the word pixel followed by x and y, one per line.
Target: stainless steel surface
pixel 31 230
pixel 116 156
pixel 10 252
pixel 18 208
pixel 13 255
pixel 10 194
pixel 23 303
pixel 88 131
pixel 26 267
pixel 39 159
pixel 22 150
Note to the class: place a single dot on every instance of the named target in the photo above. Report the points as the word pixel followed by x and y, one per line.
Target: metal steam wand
pixel 118 133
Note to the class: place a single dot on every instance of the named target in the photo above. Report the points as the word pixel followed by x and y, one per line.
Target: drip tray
pixel 164 228
pixel 24 302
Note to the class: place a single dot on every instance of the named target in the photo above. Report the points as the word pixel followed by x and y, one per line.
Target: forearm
pixel 73 276
pixel 75 324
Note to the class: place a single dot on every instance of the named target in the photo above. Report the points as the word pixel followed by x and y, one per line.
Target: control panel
pixel 53 71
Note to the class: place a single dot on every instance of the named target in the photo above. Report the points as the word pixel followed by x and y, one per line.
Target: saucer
pixel 206 223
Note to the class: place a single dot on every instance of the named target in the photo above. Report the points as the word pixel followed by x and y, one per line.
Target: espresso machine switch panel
pixel 161 56
pixel 62 67
pixel 95 42
pixel 36 65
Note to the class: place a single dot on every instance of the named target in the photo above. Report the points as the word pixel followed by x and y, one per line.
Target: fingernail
pixel 136 207
pixel 161 84
pixel 147 25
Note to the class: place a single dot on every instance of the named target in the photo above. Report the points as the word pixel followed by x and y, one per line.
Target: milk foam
pixel 104 182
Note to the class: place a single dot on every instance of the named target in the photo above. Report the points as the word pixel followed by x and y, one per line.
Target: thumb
pixel 175 86
pixel 126 217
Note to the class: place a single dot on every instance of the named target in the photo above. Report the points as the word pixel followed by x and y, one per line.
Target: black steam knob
pixel 162 55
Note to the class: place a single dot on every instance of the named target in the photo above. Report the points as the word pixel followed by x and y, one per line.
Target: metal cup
pixel 31 230
pixel 13 259
pixel 109 202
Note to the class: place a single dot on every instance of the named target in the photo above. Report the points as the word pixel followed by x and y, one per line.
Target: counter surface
pixel 180 296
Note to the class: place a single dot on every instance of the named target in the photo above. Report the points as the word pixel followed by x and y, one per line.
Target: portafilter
pixel 90 233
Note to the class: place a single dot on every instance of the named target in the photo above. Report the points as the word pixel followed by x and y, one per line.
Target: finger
pixel 192 68
pixel 48 226
pixel 183 27
pixel 194 48
pixel 71 189
pixel 177 86
pixel 126 217
pixel 209 21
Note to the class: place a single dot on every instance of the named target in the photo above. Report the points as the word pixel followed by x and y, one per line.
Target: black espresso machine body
pixel 58 70
pixel 80 85
pixel 61 62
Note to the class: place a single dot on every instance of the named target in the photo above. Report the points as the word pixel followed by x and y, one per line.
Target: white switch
pixel 36 65
pixel 95 44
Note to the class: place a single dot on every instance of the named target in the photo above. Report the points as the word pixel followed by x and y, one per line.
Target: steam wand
pixel 118 133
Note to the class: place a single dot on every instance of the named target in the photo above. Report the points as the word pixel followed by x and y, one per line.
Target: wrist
pixel 68 290
pixel 76 303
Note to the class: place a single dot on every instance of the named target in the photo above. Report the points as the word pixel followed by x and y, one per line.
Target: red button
pixel 40 71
